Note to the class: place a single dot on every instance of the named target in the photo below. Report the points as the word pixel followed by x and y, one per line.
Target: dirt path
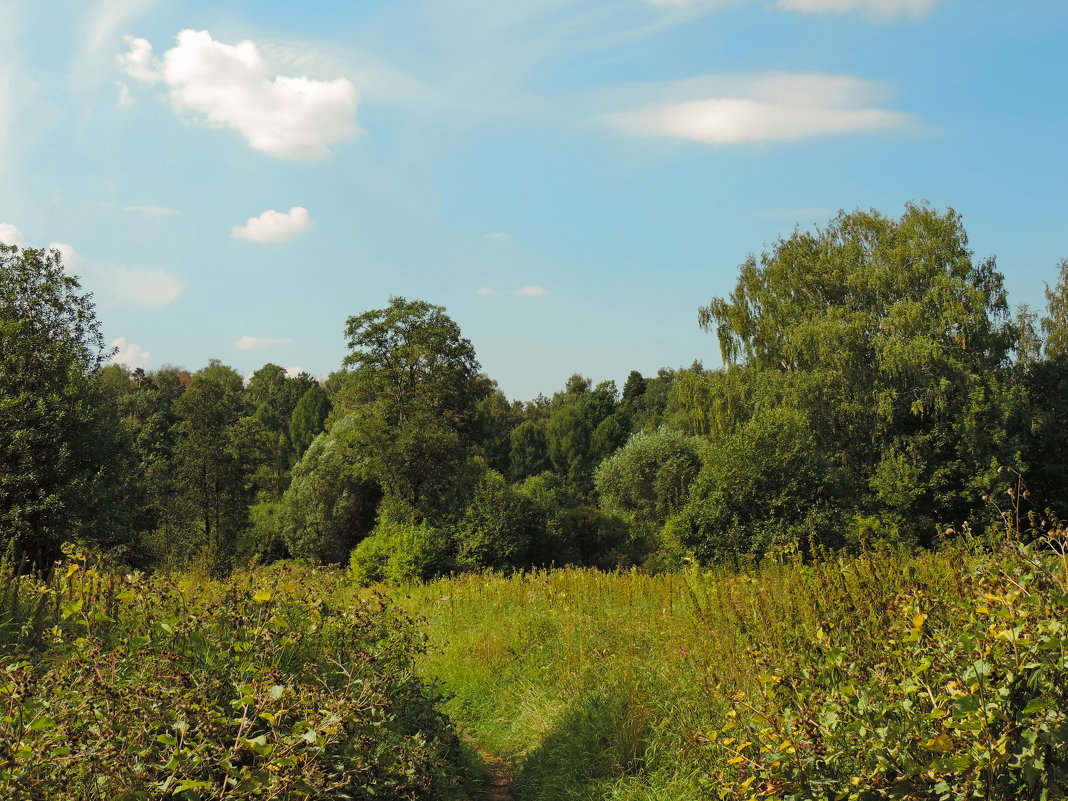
pixel 499 786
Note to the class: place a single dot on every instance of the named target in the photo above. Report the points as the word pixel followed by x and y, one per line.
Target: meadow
pixel 938 675
pixel 284 682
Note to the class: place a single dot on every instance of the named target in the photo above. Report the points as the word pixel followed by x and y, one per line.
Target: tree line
pixel 877 391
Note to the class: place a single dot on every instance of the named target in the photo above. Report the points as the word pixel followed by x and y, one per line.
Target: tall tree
pixel 415 386
pixel 894 342
pixel 55 440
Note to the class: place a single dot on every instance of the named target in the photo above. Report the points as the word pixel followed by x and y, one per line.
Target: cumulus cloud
pixel 130 355
pixel 532 291
pixel 274 226
pixel 252 343
pixel 501 236
pixel 231 86
pixel 11 235
pixel 878 8
pixel 294 371
pixel 772 107
pixel 486 291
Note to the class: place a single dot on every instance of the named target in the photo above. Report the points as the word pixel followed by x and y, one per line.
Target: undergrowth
pixel 279 683
pixel 933 676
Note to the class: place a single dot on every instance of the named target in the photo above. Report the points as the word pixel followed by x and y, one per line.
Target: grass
pixel 933 676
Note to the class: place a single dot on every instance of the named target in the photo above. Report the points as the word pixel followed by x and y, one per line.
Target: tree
pixel 649 477
pixel 894 343
pixel 414 387
pixel 331 503
pixel 56 442
pixel 308 419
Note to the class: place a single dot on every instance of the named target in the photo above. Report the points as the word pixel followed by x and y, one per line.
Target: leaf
pixel 942 744
pixel 262 596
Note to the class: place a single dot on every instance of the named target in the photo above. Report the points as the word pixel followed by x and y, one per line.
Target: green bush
pixel 401 552
pixel 280 683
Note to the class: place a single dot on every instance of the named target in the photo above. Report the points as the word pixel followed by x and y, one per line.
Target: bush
pixel 279 683
pixel 765 485
pixel 401 552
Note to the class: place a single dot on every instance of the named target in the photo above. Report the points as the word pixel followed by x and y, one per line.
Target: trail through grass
pixel 938 676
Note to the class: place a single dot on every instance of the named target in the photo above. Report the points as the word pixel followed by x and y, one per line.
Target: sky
pixel 571 179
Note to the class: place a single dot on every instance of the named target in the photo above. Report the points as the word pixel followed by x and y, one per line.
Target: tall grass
pixel 934 676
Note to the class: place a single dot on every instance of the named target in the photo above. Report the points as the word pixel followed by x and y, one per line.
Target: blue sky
pixel 571 179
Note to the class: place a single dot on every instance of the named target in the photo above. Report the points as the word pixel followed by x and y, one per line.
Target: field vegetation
pixel 934 676
pixel 280 682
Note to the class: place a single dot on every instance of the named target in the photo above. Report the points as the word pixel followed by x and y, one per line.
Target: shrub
pixel 401 552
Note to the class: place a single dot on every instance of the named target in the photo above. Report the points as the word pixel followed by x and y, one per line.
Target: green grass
pixel 935 676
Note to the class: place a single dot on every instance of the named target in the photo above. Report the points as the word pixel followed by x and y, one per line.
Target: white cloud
pixel 161 211
pixel 231 86
pixel 532 291
pixel 878 8
pixel 500 237
pixel 73 263
pixel 139 63
pixel 124 99
pixel 11 235
pixel 252 343
pixel 486 291
pixel 770 107
pixel 145 287
pixel 294 371
pixel 274 226
pixel 130 355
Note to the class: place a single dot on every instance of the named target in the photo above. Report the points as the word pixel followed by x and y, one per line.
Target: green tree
pixel 217 453
pixel 894 343
pixel 308 419
pixel 331 503
pixel 56 440
pixel 649 478
pixel 414 388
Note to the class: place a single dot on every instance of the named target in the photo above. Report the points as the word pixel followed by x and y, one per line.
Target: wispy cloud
pixel 499 237
pixel 144 287
pixel 531 291
pixel 768 107
pixel 158 211
pixel 274 226
pixel 130 355
pixel 231 86
pixel 486 291
pixel 875 8
pixel 253 343
pixel 147 288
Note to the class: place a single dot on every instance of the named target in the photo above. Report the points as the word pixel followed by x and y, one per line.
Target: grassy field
pixel 279 683
pixel 935 676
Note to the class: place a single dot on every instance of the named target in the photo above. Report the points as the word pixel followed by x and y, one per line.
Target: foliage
pixel 413 388
pixel 499 527
pixel 56 445
pixel 938 676
pixel 273 684
pixel 649 477
pixel 894 342
pixel 399 553
pixel 765 485
pixel 330 504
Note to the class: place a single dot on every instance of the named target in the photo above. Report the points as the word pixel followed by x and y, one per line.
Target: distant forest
pixel 878 392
